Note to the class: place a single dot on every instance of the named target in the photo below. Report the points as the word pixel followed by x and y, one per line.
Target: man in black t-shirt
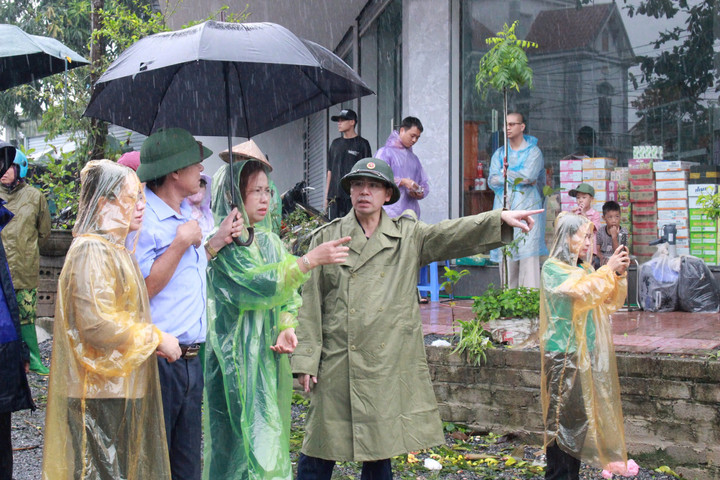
pixel 344 153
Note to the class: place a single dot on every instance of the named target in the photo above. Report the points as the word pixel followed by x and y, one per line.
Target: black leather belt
pixel 190 351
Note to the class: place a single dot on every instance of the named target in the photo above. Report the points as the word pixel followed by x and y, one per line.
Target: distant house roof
pixel 569 28
pixel 479 33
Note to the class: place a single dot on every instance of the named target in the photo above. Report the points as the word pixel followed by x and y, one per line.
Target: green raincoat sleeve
pixel 580 389
pixel 252 297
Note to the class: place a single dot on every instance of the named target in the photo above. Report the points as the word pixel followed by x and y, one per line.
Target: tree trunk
pixel 505 182
pixel 98 128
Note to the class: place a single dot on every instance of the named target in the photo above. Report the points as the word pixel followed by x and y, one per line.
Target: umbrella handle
pixel 248 242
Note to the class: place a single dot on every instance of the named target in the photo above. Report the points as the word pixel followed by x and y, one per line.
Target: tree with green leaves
pixel 99 30
pixel 682 74
pixel 505 67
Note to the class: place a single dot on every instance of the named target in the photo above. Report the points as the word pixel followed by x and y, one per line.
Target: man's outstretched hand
pixel 521 219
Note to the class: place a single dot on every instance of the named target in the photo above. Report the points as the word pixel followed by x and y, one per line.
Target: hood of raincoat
pixel 393 141
pixel 10 191
pixel 222 198
pixel 107 200
pixel 569 226
pixel 532 141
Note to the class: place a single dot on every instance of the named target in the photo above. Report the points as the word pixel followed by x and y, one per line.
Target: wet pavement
pixel 635 331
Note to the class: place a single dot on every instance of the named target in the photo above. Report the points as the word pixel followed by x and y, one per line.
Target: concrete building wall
pixel 283 146
pixel 426 94
pixel 670 404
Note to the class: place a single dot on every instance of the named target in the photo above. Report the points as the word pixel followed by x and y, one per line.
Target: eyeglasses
pixel 261 192
pixel 370 184
pixel 512 124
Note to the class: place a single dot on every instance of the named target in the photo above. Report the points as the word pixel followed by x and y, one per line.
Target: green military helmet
pixel 167 151
pixel 376 169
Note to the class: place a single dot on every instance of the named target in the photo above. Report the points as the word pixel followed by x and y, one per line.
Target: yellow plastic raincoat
pixel 580 389
pixel 252 296
pixel 104 415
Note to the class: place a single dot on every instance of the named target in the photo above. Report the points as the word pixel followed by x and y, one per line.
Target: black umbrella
pixel 216 78
pixel 25 58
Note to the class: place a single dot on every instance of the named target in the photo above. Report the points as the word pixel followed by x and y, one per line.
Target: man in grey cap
pixel 344 152
pixel 173 260
pixel 360 341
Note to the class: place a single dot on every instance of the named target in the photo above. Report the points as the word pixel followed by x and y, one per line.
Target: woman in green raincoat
pixel 580 390
pixel 252 305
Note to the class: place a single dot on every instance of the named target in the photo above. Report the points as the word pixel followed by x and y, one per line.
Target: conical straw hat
pixel 246 151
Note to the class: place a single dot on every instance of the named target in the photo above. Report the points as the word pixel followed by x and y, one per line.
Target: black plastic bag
pixel 697 288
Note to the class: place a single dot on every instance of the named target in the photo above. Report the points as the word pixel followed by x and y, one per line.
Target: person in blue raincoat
pixel 14 355
pixel 526 179
pixel 252 305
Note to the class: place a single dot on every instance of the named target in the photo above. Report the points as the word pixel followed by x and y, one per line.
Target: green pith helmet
pixel 376 169
pixel 582 188
pixel 169 150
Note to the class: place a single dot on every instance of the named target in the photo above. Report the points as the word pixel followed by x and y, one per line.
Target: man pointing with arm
pixel 360 344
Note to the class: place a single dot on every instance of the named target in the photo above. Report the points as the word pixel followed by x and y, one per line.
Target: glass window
pixel 389 68
pixel 603 68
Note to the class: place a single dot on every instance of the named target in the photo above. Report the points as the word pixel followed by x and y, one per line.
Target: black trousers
pixel 311 468
pixel 6 452
pixel 181 383
pixel 560 465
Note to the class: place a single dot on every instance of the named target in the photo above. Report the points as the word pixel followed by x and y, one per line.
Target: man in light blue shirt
pixel 173 260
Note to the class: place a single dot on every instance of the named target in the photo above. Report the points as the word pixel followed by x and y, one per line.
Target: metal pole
pixel 233 193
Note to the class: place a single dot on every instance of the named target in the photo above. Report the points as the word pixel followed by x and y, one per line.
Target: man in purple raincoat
pixel 407 169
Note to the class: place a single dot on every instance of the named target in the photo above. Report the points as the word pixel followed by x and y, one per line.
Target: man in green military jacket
pixel 360 342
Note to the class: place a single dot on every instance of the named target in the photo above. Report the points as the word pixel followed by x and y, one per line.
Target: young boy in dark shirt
pixel 608 236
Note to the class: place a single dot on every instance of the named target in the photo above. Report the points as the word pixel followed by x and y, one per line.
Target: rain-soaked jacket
pixel 104 415
pixel 360 333
pixel 580 390
pixel 14 390
pixel 252 296
pixel 20 237
pixel 404 164
pixel 528 165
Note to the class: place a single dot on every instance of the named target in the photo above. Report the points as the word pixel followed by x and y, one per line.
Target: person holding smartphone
pixel 609 236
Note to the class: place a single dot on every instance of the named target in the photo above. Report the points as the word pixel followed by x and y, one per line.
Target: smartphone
pixel 622 239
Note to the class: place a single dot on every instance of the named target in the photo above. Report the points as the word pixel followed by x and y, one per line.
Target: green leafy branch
pixel 452 277
pixel 505 66
pixel 497 303
pixel 474 340
pixel 711 205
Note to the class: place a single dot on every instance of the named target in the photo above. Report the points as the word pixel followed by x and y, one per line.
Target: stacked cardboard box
pixel 651 152
pixel 571 175
pixel 619 191
pixel 671 182
pixel 596 172
pixel 704 174
pixel 644 211
pixel 704 234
